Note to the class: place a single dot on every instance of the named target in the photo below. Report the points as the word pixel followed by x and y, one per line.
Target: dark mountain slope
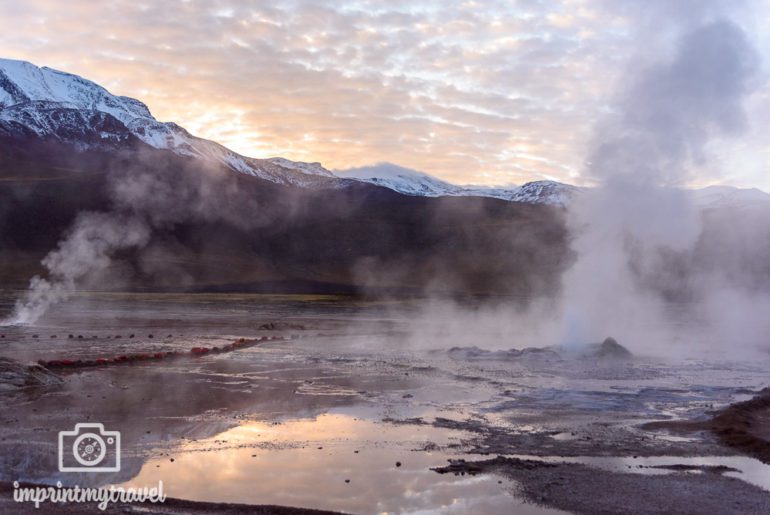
pixel 250 234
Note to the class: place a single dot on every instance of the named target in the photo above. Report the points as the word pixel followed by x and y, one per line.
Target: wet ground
pixel 350 416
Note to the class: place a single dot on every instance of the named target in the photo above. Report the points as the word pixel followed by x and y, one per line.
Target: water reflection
pixel 335 461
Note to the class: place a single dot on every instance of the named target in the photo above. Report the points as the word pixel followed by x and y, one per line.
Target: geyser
pixel 637 221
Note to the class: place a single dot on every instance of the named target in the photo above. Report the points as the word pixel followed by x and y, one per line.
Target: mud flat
pixel 580 488
pixel 744 426
pixel 345 413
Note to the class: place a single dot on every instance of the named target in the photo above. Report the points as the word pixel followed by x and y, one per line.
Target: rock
pixel 15 375
pixel 610 348
pixel 281 326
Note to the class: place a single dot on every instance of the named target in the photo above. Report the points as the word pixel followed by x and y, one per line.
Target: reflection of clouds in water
pixel 296 472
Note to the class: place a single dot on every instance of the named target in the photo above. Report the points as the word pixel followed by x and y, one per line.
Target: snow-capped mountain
pixel 414 182
pixel 402 180
pixel 540 192
pixel 722 196
pixel 47 103
pixel 52 104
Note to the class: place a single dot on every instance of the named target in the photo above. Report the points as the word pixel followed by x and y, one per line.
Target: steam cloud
pixel 632 229
pixel 145 200
pixel 88 248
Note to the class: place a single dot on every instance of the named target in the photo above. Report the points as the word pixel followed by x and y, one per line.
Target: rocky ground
pixel 539 429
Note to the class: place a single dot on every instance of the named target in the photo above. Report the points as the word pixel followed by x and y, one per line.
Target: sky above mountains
pixel 482 92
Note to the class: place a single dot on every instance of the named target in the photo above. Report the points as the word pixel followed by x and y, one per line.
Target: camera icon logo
pixel 89 448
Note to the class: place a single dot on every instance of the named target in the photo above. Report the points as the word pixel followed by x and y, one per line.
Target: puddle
pixel 565 436
pixel 674 438
pixel 750 470
pixel 306 462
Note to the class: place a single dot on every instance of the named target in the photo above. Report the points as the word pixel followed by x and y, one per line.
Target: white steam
pixel 88 248
pixel 146 199
pixel 637 221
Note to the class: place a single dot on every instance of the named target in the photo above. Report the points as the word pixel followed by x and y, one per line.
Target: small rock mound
pixel 610 348
pixel 15 375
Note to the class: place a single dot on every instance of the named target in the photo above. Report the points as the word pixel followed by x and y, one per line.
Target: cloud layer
pixel 477 92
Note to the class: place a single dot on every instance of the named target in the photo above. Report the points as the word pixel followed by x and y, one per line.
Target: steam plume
pixel 87 249
pixel 146 198
pixel 654 140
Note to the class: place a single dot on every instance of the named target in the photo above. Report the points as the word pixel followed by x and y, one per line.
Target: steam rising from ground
pixel 637 223
pixel 87 249
pixel 651 268
pixel 145 201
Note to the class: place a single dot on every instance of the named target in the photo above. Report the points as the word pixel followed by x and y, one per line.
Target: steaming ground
pixel 288 422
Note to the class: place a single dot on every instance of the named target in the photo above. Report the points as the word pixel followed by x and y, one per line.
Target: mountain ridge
pixel 54 103
pixel 414 182
pixel 50 103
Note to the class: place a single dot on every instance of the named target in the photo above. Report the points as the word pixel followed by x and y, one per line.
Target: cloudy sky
pixel 484 92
